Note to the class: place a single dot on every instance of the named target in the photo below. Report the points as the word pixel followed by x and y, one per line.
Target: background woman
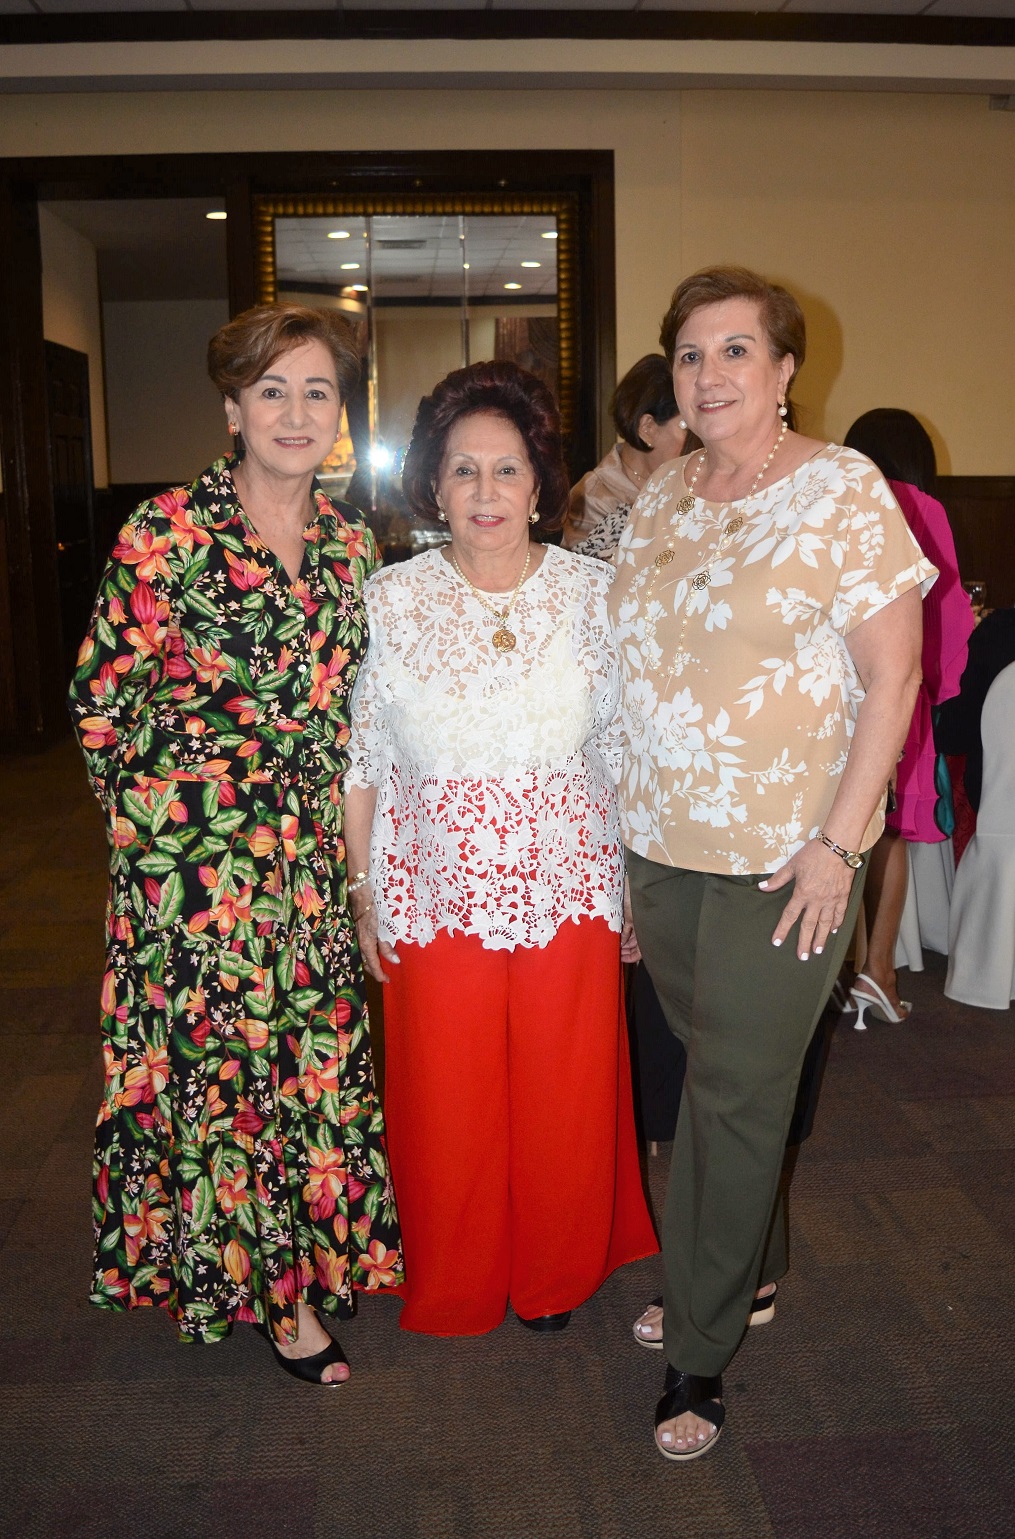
pixel 901 449
pixel 767 613
pixel 482 828
pixel 651 432
pixel 240 1172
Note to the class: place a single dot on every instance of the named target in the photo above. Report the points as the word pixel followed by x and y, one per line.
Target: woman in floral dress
pixel 240 1169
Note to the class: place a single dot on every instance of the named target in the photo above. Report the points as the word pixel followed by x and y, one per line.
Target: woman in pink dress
pixel 901 448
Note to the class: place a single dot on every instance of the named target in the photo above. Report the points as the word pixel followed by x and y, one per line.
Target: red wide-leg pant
pixel 510 1127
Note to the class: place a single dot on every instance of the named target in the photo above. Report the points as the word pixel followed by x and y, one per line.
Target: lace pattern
pixel 496 812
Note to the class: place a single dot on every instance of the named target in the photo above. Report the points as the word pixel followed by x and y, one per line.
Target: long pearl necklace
pixel 703 577
pixel 504 640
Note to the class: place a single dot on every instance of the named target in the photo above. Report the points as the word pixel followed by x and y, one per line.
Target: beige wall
pixel 166 421
pixel 892 216
pixel 71 316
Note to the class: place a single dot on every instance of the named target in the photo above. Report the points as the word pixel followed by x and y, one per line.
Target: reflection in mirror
pixel 428 294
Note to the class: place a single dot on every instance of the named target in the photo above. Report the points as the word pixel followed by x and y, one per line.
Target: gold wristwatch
pixel 853 859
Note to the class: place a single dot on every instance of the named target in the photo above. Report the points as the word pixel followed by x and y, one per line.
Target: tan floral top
pixel 739 693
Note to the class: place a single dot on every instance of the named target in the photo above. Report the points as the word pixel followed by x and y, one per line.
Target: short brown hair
pixel 780 314
pixel 244 348
pixel 508 391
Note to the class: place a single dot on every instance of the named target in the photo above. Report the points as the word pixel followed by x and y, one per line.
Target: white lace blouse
pixel 497 809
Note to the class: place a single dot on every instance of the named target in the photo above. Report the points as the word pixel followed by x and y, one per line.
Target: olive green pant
pixel 745 1011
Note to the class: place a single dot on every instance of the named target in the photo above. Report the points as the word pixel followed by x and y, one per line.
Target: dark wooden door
pixel 70 458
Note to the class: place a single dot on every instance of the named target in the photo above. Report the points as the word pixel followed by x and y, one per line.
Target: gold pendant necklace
pixel 504 640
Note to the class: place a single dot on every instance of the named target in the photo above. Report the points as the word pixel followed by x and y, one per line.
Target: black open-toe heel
pixel 309 1369
pixel 690 1392
pixel 646 1341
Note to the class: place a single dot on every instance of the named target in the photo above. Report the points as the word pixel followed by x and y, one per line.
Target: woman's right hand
pixel 372 950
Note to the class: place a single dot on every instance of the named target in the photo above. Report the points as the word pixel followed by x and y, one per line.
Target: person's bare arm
pixel 360 804
pixel 886 653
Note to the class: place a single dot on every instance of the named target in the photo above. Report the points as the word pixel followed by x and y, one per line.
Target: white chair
pixel 928 903
pixel 981 967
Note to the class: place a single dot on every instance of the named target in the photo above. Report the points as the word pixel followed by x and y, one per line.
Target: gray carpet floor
pixel 878 1405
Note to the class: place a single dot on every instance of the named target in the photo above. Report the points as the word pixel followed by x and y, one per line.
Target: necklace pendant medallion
pixel 700 580
pixel 504 640
pixel 733 525
pixel 663 559
pixel 685 504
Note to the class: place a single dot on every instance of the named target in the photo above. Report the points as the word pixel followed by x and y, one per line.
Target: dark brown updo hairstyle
pixel 243 350
pixel 646 387
pixel 899 445
pixel 508 391
pixel 780 314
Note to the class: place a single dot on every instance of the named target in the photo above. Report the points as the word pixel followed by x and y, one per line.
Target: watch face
pixel 854 862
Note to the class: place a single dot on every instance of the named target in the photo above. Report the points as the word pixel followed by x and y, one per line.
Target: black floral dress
pixel 240 1161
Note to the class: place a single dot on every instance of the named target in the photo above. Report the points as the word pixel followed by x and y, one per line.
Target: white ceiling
pixel 152 248
pixel 967 8
pixel 432 267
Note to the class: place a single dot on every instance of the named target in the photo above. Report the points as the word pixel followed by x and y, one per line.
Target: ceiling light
pixel 512 285
pixel 338 234
pixel 216 213
pixel 350 267
pixel 359 288
pixel 465 267
pixel 532 264
pixel 549 235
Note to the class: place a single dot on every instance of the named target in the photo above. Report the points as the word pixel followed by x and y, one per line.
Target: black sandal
pixel 646 1341
pixel 309 1369
pixel 683 1392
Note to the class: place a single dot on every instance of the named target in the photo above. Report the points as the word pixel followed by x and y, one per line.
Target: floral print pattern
pixel 240 1163
pixel 739 692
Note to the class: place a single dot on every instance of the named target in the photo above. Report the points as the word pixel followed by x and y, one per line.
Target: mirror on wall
pixel 428 292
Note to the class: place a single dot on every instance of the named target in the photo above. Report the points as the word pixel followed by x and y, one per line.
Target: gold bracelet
pixel 362 914
pixel 853 860
pixel 359 880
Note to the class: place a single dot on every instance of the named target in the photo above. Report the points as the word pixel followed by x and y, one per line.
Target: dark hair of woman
pixel 780 314
pixel 241 352
pixel 898 444
pixel 646 387
pixel 508 391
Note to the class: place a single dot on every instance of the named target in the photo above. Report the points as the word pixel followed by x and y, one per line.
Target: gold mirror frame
pixel 561 208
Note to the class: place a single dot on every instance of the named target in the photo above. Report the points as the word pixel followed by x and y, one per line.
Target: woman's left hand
pixel 630 951
pixel 822 884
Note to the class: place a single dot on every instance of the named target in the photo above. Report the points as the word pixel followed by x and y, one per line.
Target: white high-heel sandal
pixel 877 1002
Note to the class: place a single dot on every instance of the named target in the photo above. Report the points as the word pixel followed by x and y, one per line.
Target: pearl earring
pixel 442 515
pixel 683 425
pixel 783 408
pixel 534 517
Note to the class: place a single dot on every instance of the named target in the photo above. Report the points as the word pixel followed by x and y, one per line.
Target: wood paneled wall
pixel 981 510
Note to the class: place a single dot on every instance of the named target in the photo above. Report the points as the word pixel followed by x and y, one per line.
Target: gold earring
pixel 234 428
pixel 534 516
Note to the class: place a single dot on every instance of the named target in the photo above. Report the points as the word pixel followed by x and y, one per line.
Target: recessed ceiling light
pixel 359 288
pixel 216 213
pixel 338 234
pixel 350 267
pixel 512 285
pixel 549 235
pixel 465 267
pixel 532 264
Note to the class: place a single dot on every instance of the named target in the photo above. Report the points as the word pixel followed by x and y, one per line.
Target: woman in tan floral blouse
pixel 767 610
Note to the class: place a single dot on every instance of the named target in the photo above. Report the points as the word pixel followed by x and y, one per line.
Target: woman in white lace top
pixel 487 878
